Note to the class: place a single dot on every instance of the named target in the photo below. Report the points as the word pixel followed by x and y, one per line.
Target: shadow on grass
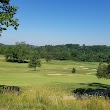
pixel 17 61
pixel 99 85
pixel 12 89
pixel 37 70
pixel 93 88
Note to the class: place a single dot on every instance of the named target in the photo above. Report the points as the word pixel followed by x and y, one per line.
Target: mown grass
pixel 52 79
pixel 20 75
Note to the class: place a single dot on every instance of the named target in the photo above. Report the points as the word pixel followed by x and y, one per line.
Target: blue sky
pixel 60 22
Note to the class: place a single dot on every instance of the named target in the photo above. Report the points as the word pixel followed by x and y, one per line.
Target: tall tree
pixel 48 58
pixel 10 54
pixel 17 53
pixel 34 60
pixel 22 51
pixel 7 13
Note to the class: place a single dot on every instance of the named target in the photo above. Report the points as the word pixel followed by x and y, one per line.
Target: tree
pixel 103 71
pixel 34 61
pixel 63 55
pixel 7 13
pixel 17 53
pixel 9 53
pixel 2 48
pixel 48 58
pixel 22 51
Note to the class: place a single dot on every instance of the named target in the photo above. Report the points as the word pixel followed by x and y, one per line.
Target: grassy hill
pixel 52 73
pixel 49 87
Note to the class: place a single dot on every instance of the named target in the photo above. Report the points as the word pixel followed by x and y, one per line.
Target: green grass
pixel 46 88
pixel 20 75
pixel 44 98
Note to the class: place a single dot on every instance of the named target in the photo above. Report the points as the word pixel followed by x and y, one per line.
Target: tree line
pixel 21 52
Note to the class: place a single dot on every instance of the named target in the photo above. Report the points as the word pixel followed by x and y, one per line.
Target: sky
pixel 54 22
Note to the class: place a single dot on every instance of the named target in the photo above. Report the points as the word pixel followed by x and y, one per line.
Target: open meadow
pixel 44 88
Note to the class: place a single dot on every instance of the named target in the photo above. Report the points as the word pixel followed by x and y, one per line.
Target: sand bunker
pixel 81 66
pixel 94 69
pixel 91 73
pixel 54 74
pixel 85 68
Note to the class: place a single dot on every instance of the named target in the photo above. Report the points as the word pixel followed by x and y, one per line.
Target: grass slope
pixel 55 73
pixel 50 87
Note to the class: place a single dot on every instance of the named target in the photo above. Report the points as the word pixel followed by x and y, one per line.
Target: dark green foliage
pixel 103 71
pixel 73 70
pixel 2 48
pixel 48 58
pixel 60 52
pixel 22 51
pixel 63 56
pixel 34 60
pixel 18 53
pixel 42 51
pixel 76 52
pixel 7 13
pixel 10 54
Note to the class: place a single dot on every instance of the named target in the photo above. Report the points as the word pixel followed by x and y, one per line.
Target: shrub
pixel 103 71
pixel 73 70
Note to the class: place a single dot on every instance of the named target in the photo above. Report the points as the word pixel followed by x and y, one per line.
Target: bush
pixel 73 70
pixel 103 71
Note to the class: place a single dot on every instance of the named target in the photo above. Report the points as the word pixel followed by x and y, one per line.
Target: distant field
pixel 55 74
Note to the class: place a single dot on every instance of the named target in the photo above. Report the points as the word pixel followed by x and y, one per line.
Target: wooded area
pixel 22 51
